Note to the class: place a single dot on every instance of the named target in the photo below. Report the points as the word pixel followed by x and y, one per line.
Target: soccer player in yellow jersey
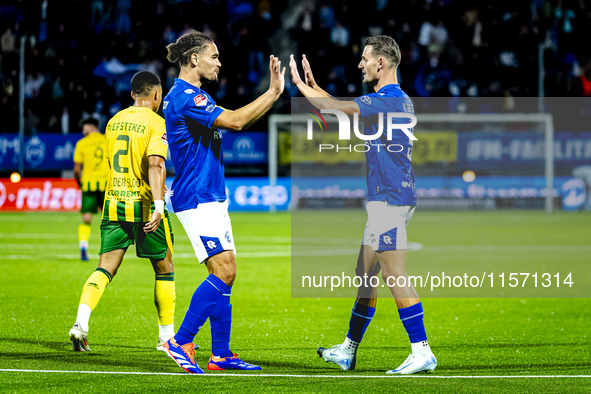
pixel 92 173
pixel 134 210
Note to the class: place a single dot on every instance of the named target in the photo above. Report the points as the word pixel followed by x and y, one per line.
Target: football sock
pixel 83 234
pixel 421 348
pixel 361 316
pixel 221 326
pixel 202 303
pixel 164 296
pixel 349 347
pixel 91 294
pixel 165 332
pixel 83 316
pixel 412 320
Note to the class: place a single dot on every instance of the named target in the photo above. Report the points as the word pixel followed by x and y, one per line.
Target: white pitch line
pixel 37 236
pixel 70 236
pixel 42 247
pixel 241 255
pixel 300 243
pixel 255 375
pixel 508 248
pixel 178 247
pixel 297 252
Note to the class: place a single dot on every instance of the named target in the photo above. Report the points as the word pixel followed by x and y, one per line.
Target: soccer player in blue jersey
pixel 391 203
pixel 198 193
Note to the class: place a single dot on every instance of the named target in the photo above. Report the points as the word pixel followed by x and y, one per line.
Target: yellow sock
pixel 94 287
pixel 84 233
pixel 164 296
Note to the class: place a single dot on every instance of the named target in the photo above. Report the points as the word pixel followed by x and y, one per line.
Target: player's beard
pixel 213 79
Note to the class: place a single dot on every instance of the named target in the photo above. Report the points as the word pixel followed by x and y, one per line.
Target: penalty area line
pixel 255 375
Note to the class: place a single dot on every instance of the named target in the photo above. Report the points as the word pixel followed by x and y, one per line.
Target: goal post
pixel 544 121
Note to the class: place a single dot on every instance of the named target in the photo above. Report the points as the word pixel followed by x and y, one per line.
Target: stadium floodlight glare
pixel 545 120
pixel 469 176
pixel 15 177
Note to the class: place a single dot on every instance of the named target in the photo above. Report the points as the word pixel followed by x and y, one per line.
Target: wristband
pixel 159 206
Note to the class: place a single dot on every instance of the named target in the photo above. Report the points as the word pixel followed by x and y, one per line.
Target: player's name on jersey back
pixel 127 126
pixel 127 182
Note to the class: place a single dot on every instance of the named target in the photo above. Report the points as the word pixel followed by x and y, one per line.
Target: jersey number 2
pixel 121 152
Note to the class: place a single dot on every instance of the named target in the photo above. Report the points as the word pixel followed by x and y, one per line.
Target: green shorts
pixel 120 235
pixel 92 201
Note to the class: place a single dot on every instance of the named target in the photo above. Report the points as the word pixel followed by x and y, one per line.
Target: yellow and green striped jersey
pixel 90 152
pixel 132 135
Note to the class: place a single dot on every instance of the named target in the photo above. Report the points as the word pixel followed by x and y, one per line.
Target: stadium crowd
pixel 80 54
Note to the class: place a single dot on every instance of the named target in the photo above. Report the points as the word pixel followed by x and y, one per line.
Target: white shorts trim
pixel 386 226
pixel 209 229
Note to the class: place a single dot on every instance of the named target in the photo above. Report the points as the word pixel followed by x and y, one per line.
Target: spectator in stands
pixel 122 15
pixel 450 46
pixel 7 41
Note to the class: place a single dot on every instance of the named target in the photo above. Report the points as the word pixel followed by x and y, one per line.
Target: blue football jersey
pixel 195 148
pixel 389 173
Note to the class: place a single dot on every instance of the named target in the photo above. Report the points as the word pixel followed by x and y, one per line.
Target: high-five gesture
pixel 295 75
pixel 308 73
pixel 277 75
pixel 309 88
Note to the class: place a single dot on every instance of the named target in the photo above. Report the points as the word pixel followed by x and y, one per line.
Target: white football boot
pixel 414 364
pixel 338 356
pixel 79 339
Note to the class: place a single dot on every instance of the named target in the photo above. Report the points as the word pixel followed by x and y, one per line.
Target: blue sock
pixel 360 318
pixel 412 320
pixel 221 326
pixel 204 300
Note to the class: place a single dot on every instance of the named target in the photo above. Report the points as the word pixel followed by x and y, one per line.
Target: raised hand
pixel 308 72
pixel 295 75
pixel 277 75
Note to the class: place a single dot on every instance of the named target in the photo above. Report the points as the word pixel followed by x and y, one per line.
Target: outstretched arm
pixel 318 97
pixel 243 117
pixel 309 78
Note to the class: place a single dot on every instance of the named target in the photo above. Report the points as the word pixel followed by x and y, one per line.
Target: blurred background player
pixel 389 207
pixel 198 194
pixel 92 173
pixel 134 207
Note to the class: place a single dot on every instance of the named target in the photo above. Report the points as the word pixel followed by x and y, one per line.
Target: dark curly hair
pixel 185 46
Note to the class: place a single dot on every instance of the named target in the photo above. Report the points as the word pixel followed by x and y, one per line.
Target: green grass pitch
pixel 41 279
